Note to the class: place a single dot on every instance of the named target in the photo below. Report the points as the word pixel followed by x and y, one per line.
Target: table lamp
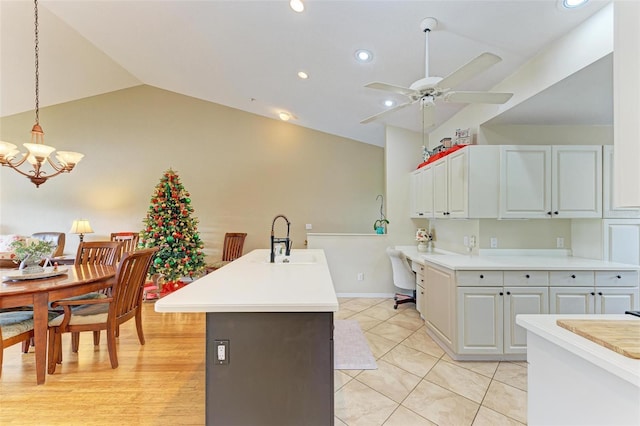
pixel 81 226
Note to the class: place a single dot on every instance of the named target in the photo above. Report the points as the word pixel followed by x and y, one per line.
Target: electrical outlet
pixel 221 351
pixel 360 276
pixel 465 241
pixel 472 241
pixel 560 242
pixel 308 226
pixel 494 242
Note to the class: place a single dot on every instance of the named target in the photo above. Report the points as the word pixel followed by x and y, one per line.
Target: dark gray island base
pixel 278 369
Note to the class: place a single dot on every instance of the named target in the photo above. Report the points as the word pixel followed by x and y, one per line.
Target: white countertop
pixel 461 262
pixel 545 326
pixel 252 284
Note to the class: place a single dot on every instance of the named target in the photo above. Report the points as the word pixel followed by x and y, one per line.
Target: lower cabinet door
pixel 420 299
pixel 613 300
pixel 480 320
pixel 521 300
pixel 571 300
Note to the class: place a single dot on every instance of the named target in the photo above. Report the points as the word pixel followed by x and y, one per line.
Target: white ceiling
pixel 245 55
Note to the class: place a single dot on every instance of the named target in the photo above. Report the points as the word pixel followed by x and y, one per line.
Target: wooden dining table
pixel 73 280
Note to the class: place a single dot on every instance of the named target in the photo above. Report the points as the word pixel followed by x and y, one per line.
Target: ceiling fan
pixel 427 90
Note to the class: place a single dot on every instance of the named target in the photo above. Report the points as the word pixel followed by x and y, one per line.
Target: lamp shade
pixel 81 226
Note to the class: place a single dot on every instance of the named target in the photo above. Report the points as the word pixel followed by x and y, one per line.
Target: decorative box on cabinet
pixel 538 181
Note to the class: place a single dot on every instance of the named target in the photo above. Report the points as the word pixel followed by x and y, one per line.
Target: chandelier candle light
pixel 37 151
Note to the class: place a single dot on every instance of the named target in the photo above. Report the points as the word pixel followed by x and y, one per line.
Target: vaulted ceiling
pixel 246 54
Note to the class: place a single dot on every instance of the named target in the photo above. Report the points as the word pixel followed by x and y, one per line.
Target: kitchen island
pixel 269 338
pixel 575 381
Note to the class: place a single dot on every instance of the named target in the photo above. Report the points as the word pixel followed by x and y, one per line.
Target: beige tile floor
pixel 416 383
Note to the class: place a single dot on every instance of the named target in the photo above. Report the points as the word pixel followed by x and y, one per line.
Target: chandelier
pixel 38 154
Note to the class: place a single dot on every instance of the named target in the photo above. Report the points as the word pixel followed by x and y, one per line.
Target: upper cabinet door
pixel 577 181
pixel 609 211
pixel 457 184
pixel 525 181
pixel 440 192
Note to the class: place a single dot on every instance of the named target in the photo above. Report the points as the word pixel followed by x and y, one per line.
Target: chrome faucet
pixel 275 240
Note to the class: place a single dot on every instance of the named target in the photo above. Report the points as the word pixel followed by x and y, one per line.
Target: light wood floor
pixel 160 383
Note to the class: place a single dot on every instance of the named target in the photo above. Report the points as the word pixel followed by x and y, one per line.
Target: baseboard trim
pixel 367 295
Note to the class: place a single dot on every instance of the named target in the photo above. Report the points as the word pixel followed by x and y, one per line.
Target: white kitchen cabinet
pixel 418 268
pixel 465 183
pixel 541 181
pixel 440 303
pixel 480 320
pixel 487 318
pixel 608 292
pixel 421 193
pixel 622 240
pixel 609 210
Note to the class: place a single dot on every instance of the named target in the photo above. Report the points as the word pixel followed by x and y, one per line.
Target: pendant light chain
pixel 35 2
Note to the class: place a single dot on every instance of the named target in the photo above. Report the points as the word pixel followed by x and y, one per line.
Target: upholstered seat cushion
pixel 15 322
pixel 84 314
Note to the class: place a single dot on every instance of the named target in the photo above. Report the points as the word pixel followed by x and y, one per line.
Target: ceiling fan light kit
pixel 430 89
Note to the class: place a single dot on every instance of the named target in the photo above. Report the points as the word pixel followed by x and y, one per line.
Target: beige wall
pixel 241 170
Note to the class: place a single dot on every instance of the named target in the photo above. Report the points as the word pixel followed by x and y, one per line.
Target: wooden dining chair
pixel 231 250
pixel 129 241
pixel 107 314
pixel 15 327
pixel 98 253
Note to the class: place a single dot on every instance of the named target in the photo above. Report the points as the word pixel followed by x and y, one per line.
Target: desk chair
pixel 403 277
pixel 231 250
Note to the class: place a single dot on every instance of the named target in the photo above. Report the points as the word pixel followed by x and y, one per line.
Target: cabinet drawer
pixel 420 279
pixel 571 278
pixel 527 278
pixel 616 278
pixel 417 267
pixel 479 278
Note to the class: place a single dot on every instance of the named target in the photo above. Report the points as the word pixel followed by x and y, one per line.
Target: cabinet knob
pixel 573 276
pixel 508 293
pixel 420 214
pixel 549 213
pixel 527 276
pixel 618 276
pixel 481 276
pixel 592 293
pixel 501 293
pixel 555 212
pixel 599 293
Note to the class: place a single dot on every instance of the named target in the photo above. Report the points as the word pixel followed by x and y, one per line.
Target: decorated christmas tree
pixel 169 224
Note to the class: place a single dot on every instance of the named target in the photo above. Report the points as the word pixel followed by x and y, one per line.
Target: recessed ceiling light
pixel 303 75
pixel 572 4
pixel 364 55
pixel 284 116
pixel 389 103
pixel 297 5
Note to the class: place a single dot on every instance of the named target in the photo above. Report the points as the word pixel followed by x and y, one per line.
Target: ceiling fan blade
pixel 390 88
pixel 380 114
pixel 469 70
pixel 477 97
